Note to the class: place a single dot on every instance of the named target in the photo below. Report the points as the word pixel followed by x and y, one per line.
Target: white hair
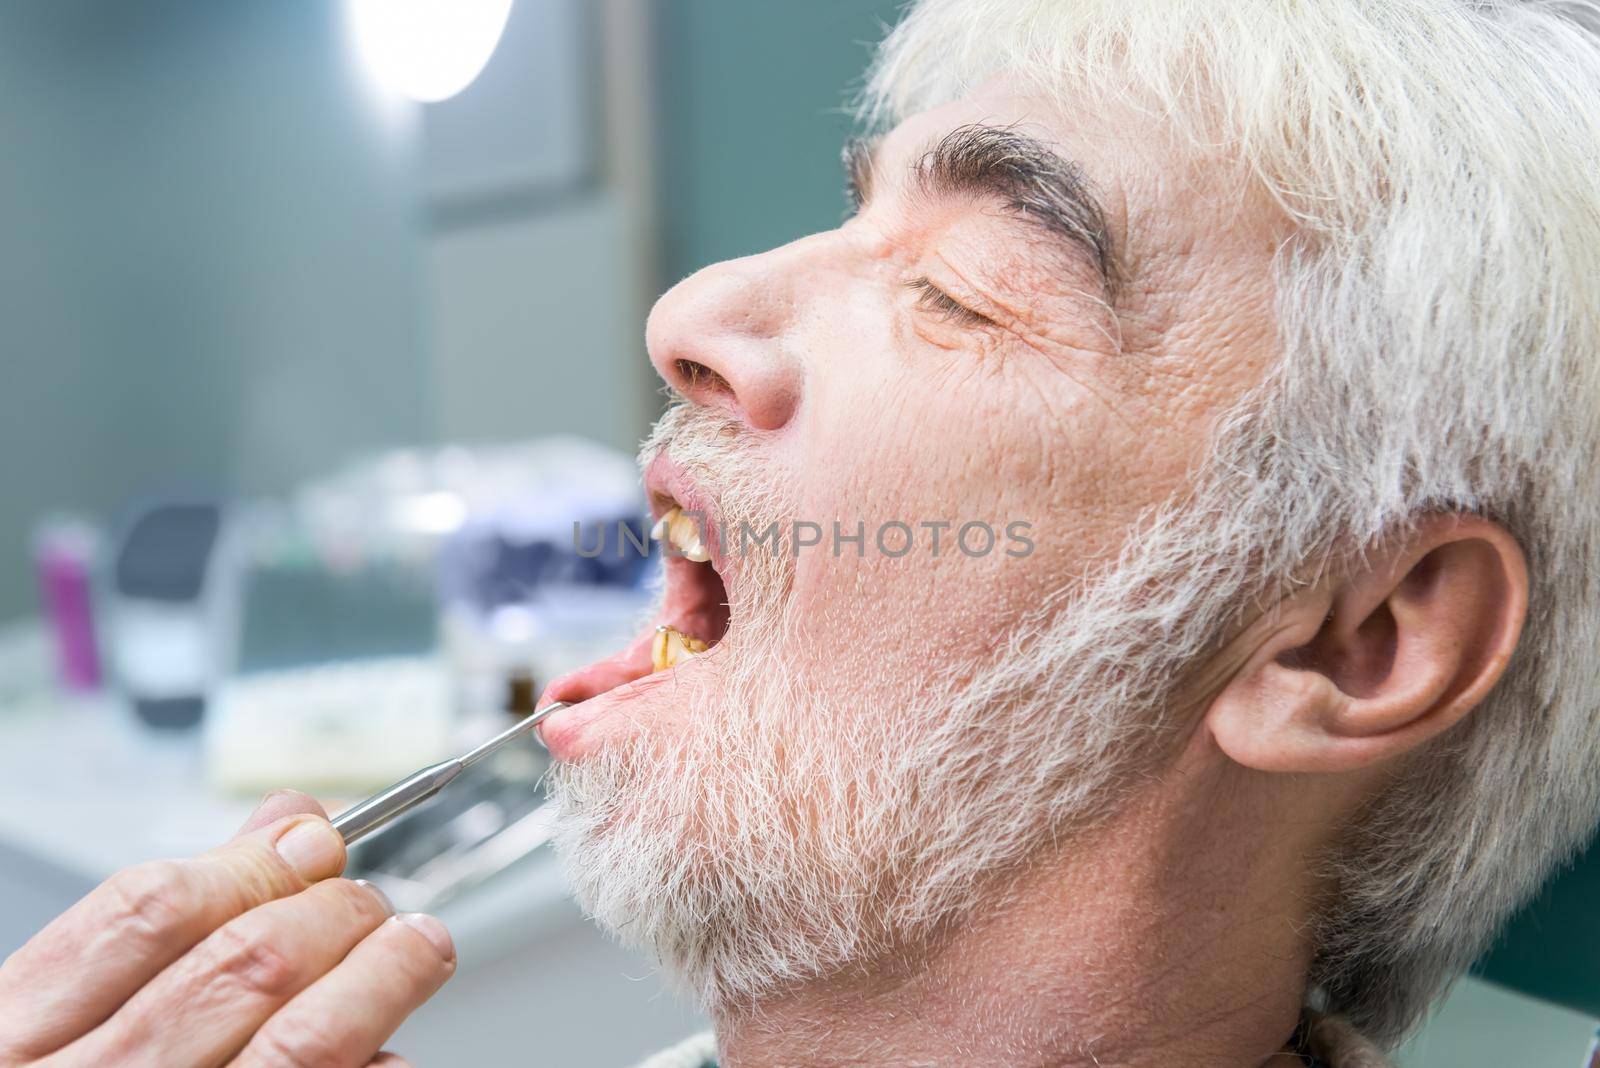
pixel 1439 317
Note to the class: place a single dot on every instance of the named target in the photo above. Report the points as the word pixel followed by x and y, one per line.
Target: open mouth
pixel 694 613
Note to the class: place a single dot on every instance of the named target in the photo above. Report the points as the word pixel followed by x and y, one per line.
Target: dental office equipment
pixel 167 593
pixel 361 820
pixel 340 728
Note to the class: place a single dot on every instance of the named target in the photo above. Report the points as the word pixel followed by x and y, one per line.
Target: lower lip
pixel 589 726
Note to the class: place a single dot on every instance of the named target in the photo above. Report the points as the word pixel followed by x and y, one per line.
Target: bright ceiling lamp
pixel 428 50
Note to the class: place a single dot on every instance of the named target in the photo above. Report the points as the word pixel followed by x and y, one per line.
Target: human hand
pixel 251 955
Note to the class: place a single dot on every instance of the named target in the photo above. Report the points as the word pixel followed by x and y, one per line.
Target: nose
pixel 724 338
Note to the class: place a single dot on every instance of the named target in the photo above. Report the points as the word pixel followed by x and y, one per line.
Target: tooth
pixel 683 534
pixel 671 647
pixel 659 531
pixel 683 530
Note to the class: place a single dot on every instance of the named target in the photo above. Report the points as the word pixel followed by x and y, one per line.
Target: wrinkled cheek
pixel 1052 475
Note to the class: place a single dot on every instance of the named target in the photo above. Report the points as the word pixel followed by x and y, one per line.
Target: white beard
pixel 763 846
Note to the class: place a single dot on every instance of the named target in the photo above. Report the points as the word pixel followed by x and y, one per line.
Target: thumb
pixel 278 804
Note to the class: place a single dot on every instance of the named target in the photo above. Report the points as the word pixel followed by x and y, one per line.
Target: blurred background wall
pixel 746 169
pixel 227 265
pixel 211 274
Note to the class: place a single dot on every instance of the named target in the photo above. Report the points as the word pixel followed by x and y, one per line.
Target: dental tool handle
pixel 360 820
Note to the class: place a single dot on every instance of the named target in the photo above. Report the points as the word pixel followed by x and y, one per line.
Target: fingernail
pixel 432 930
pixel 383 898
pixel 313 849
pixel 269 797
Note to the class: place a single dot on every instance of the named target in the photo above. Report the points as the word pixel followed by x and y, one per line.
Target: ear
pixel 1350 675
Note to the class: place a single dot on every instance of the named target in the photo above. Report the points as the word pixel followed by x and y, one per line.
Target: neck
pixel 1173 934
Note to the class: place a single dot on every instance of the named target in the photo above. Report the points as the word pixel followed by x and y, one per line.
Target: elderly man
pixel 1260 337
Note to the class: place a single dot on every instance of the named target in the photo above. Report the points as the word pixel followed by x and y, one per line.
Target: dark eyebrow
pixel 1032 180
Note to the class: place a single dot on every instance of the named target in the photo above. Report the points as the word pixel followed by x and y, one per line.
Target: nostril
pixel 697 377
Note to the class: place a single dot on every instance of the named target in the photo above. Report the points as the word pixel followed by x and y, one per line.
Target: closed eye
pixel 931 298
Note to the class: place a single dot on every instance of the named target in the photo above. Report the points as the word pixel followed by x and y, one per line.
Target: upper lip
pixel 667 484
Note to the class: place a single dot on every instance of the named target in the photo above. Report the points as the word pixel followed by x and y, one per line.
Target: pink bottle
pixel 64 553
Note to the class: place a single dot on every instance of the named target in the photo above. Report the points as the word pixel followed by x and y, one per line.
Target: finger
pixel 388 1060
pixel 231 983
pixel 276 806
pixel 72 975
pixel 389 975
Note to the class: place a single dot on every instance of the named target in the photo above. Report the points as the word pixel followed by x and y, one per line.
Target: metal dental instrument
pixel 360 820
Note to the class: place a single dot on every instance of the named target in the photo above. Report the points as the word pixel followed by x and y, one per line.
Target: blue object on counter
pixel 488 567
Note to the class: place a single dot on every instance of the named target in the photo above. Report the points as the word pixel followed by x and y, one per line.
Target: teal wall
pixel 210 264
pixel 1551 950
pixel 754 117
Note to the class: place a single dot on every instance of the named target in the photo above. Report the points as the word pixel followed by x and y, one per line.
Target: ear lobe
pixel 1388 658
